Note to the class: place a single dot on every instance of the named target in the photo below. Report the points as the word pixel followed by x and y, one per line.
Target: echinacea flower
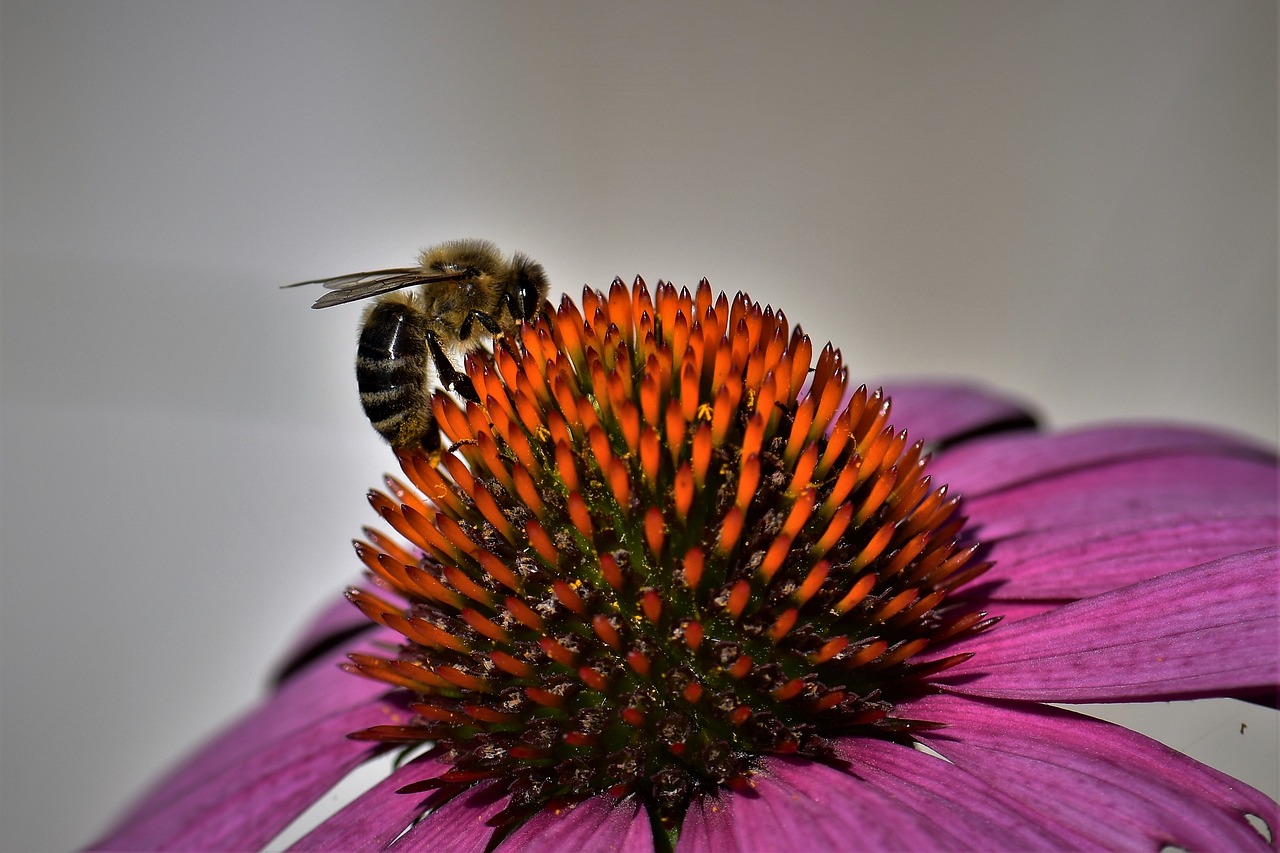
pixel 677 583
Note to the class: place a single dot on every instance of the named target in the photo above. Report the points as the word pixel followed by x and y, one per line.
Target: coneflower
pixel 677 583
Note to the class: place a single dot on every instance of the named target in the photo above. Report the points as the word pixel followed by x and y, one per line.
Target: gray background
pixel 1074 201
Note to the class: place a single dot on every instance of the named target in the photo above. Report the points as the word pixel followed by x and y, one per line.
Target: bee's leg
pixel 464 331
pixel 449 375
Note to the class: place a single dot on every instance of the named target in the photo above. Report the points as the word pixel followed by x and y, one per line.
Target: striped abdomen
pixel 392 369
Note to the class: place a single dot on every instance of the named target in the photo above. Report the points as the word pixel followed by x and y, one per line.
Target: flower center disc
pixel 666 544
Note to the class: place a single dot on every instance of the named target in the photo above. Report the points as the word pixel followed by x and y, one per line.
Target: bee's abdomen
pixel 391 369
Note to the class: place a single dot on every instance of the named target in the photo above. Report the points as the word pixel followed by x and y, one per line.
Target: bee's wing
pixel 362 285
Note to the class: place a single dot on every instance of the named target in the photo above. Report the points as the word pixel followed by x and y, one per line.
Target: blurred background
pixel 1074 202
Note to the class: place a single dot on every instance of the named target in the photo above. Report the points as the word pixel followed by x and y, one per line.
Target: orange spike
pixel 845 481
pixel 527 491
pixel 650 456
pixel 620 484
pixel 593 679
pixel 873 548
pixel 569 597
pixel 724 415
pixel 451 420
pixel 431 588
pixel 655 530
pixel 566 397
pixel 544 697
pixel 511 665
pixel 803 476
pixel 799 514
pixel 790 690
pixel 639 663
pixel 730 530
pixel 484 626
pixel 633 717
pixel 867 653
pixel 740 667
pixel 880 490
pixel 611 571
pixel 835 529
pixel 519 445
pixel 801 420
pixel 558 653
pixel 784 624
pixel 689 398
pixel 629 423
pixel 856 594
pixel 387 545
pixel 694 634
pixel 775 557
pixel 565 466
pixel 455 534
pixel 901 653
pixel 606 632
pixel 542 543
pixel 403 494
pixel 748 481
pixel 812 583
pixel 676 423
pixel 692 693
pixel 651 604
pixel 524 614
pixel 684 491
pixel 488 507
pixel 829 649
pixel 467 586
pixel 739 595
pixel 488 715
pixel 579 514
pixel 650 395
pixel 896 605
pixel 692 565
pixel 701 456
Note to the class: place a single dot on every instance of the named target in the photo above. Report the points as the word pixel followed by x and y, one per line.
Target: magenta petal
pixel 984 816
pixel 1077 562
pixel 1117 787
pixel 1210 630
pixel 244 806
pixel 317 697
pixel 942 412
pixel 378 816
pixel 1000 462
pixel 795 804
pixel 458 826
pixel 601 823
pixel 1135 489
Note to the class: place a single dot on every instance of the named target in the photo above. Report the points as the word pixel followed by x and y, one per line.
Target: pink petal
pixel 1120 789
pixel 285 723
pixel 378 816
pixel 245 805
pixel 1209 630
pixel 796 804
pixel 1142 488
pixel 986 817
pixel 1077 562
pixel 943 412
pixel 458 826
pixel 1001 462
pixel 601 823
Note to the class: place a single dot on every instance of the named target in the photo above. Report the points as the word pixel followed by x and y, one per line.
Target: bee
pixel 424 319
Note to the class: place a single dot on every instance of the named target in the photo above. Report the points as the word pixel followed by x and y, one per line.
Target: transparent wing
pixel 362 285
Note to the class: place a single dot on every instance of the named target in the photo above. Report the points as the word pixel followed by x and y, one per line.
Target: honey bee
pixel 410 339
